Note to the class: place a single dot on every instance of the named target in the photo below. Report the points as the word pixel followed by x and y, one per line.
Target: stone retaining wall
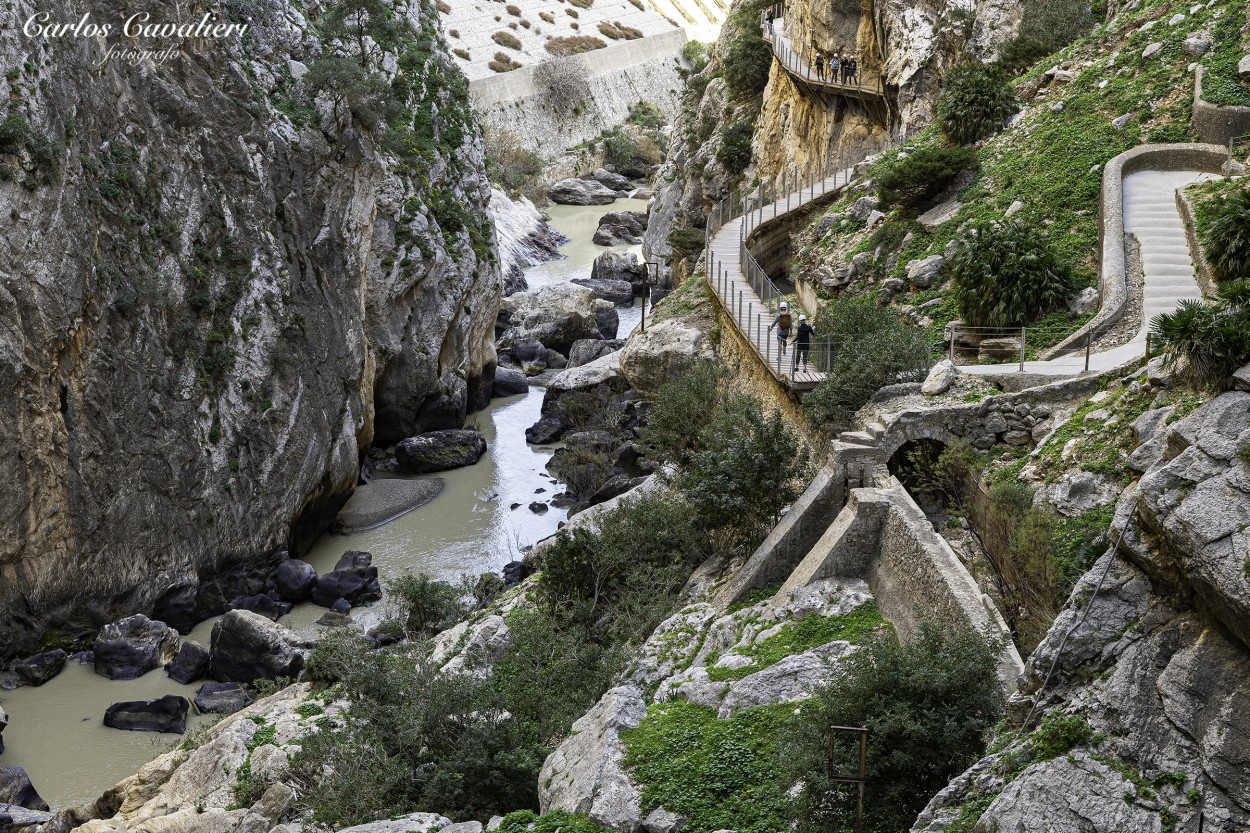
pixel 620 76
pixel 1214 123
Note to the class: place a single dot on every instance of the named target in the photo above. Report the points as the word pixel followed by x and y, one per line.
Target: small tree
pixel 975 102
pixel 1226 241
pixel 563 84
pixel 671 434
pixel 747 64
pixel 734 152
pixel 927 704
pixel 426 606
pixel 1006 275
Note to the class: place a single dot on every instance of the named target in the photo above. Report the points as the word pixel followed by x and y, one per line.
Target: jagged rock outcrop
pixel 1151 655
pixel 211 307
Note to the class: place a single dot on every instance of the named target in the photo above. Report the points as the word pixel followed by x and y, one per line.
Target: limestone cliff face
pixel 910 45
pixel 214 295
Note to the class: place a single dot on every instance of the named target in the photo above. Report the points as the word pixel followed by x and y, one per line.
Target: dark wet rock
pixel 587 350
pixel 549 428
pixel 615 487
pixel 440 450
pixel 620 228
pixel 190 664
pixel 40 668
pixel 4 721
pixel 619 266
pixel 620 293
pixel 509 382
pixel 538 507
pixel 353 579
pixel 247 647
pixel 16 789
pixel 295 580
pixel 164 714
pixel 334 619
pixel 222 698
pixel 130 647
pixel 341 606
pixel 14 819
pixel 262 604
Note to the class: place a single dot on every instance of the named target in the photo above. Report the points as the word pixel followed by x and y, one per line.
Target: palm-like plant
pixel 1227 239
pixel 1207 342
pixel 975 102
pixel 1006 275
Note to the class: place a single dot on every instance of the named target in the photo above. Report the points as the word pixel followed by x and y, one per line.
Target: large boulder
pixel 131 647
pixel 924 273
pixel 586 774
pixel 940 378
pixel 509 382
pixel 620 293
pixel 221 698
pixel 619 266
pixel 247 647
pixel 588 349
pixel 581 192
pixel 601 377
pixel 263 604
pixel 548 429
pixel 164 714
pixel 14 819
pixel 190 664
pixel 439 451
pixel 620 228
pixel 40 668
pixel 612 180
pixel 16 789
pixel 665 351
pixel 411 823
pixel 353 579
pixel 295 580
pixel 555 316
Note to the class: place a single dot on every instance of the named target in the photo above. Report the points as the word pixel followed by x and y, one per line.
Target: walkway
pixel 866 86
pixel 1151 214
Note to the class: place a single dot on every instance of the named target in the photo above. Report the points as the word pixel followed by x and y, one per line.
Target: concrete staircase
pixel 1150 213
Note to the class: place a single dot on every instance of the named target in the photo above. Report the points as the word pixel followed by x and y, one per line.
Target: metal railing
pixel 966 345
pixel 750 296
pixel 801 65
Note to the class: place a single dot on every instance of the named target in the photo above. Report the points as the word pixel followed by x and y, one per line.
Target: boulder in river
pixel 620 228
pixel 15 788
pixel 548 429
pixel 353 578
pixel 620 293
pixel 555 316
pixel 439 451
pixel 665 351
pixel 221 698
pixel 263 604
pixel 619 266
pixel 190 664
pixel 164 714
pixel 247 647
pixel 581 192
pixel 381 501
pixel 295 580
pixel 611 179
pixel 509 382
pixel 587 350
pixel 40 668
pixel 131 647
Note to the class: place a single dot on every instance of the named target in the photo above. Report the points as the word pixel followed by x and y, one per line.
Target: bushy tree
pixel 926 172
pixel 425 606
pixel 1208 341
pixel 928 706
pixel 1005 275
pixel 746 64
pixel 734 152
pixel 872 347
pixel 1226 241
pixel 975 102
pixel 672 432
pixel 1046 27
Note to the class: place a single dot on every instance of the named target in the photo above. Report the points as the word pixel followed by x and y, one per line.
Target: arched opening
pixel 916 464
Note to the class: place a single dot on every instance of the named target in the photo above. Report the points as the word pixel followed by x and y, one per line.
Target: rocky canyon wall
pixel 222 275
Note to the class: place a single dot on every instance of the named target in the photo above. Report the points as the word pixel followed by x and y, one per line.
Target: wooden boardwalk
pixel 866 87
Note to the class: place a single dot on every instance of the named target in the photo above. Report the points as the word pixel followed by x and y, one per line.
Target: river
pixel 55 731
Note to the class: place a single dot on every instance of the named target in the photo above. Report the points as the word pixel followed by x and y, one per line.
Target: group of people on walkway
pixel 783 322
pixel 837 65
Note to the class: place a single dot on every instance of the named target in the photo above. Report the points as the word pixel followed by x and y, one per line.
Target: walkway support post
pixel 1022 349
pixel 1089 338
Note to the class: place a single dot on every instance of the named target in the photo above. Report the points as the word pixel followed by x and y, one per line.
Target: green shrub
pixel 928 706
pixel 697 55
pixel 1208 342
pixel 1045 27
pixel 719 774
pixel 1006 275
pixel 924 174
pixel 1059 734
pixel 746 64
pixel 630 154
pixel 975 102
pixel 425 606
pixel 15 132
pixel 686 242
pixel 872 347
pixel 734 152
pixel 510 165
pixel 557 821
pixel 573 44
pixel 1226 242
pixel 671 434
pixel 646 114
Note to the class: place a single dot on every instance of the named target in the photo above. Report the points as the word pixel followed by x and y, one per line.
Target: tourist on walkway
pixel 782 322
pixel 855 70
pixel 833 67
pixel 802 342
pixel 846 68
pixel 820 66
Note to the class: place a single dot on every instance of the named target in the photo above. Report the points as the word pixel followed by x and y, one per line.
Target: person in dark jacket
pixel 802 342
pixel 820 66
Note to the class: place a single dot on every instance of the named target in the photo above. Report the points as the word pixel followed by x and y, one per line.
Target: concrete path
pixel 1150 213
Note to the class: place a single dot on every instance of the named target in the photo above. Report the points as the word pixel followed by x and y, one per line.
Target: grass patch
pixel 720 774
